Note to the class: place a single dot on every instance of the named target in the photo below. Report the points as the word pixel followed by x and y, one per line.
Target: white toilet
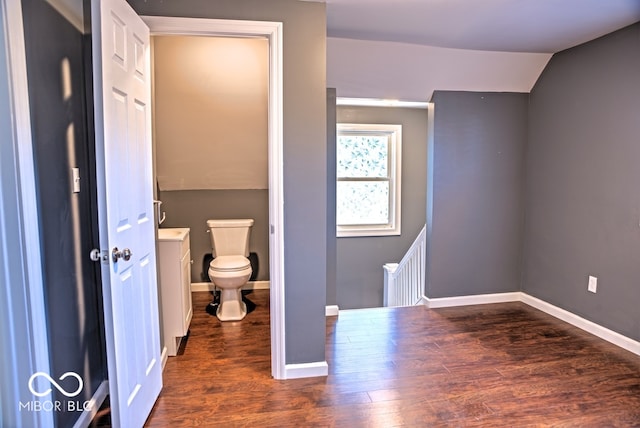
pixel 230 269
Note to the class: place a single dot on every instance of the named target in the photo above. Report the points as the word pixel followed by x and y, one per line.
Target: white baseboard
pixel 424 300
pixel 331 310
pixel 163 357
pixel 478 299
pixel 92 409
pixel 251 285
pixel 298 371
pixel 584 324
pixel 610 336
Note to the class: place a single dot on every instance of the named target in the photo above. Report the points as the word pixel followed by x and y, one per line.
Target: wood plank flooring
pixel 476 366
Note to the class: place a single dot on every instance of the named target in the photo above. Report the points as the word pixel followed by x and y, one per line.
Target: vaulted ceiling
pixel 406 49
pixel 542 26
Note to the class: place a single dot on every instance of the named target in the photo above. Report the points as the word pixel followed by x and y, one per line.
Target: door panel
pixel 123 136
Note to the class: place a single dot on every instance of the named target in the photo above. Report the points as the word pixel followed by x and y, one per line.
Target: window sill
pixel 367 232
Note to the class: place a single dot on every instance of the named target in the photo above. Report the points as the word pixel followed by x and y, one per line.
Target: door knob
pixel 124 254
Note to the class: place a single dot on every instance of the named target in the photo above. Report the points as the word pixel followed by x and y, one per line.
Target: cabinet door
pixel 187 309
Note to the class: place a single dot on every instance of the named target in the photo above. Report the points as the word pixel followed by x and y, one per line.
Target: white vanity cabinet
pixel 174 261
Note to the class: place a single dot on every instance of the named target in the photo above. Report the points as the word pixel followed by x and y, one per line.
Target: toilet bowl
pixel 230 269
pixel 229 274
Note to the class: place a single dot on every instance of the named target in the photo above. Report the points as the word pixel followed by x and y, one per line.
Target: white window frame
pixel 394 135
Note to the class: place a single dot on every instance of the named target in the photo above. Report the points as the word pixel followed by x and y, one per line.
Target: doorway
pixel 272 31
pixel 210 139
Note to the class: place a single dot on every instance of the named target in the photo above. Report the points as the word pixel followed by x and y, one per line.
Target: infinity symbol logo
pixel 54 383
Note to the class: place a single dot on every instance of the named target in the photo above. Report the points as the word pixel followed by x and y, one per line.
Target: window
pixel 368 180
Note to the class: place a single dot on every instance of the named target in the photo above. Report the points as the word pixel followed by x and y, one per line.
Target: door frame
pixel 22 324
pixel 272 31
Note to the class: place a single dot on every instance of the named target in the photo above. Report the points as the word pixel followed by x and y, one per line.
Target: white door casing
pixel 23 328
pixel 122 100
pixel 273 32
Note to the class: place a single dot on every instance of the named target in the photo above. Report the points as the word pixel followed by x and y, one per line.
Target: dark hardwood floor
pixel 489 365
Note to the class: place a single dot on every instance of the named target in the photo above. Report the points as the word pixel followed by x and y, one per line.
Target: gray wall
pixel 478 205
pixel 305 186
pixel 192 209
pixel 332 241
pixel 359 276
pixel 68 222
pixel 583 181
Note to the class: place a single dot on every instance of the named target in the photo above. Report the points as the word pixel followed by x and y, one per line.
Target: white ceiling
pixel 542 26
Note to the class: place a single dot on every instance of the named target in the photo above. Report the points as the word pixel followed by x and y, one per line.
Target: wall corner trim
pixel 163 357
pixel 424 301
pixel 331 310
pixel 298 371
pixel 610 336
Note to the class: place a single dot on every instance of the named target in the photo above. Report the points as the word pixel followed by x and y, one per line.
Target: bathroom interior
pixel 210 116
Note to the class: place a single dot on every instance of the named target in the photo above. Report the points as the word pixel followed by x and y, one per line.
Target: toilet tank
pixel 230 237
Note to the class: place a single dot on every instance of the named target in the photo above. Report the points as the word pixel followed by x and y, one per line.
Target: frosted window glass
pixel 363 156
pixel 362 202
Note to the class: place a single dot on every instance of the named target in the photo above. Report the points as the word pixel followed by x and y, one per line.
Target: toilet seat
pixel 230 270
pixel 229 264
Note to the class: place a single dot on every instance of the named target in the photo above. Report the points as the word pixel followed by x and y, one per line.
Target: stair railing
pixel 404 281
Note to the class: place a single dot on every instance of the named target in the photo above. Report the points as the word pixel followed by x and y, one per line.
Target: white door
pixel 122 90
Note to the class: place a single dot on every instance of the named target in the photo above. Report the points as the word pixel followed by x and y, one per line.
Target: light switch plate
pixel 75 177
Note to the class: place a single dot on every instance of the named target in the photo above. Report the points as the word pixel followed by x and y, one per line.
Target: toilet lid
pixel 230 263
